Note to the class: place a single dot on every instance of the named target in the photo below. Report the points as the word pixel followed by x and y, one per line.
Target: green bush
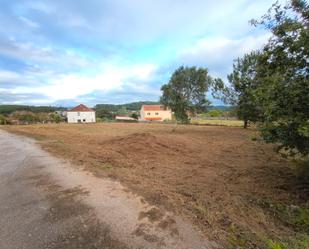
pixel 55 117
pixel 3 120
pixel 25 117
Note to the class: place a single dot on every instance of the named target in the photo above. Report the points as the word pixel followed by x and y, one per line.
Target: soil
pixel 215 176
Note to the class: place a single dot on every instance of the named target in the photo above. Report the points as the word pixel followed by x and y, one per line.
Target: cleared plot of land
pixel 231 187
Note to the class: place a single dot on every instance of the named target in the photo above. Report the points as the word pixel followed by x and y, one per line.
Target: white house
pixel 155 113
pixel 81 114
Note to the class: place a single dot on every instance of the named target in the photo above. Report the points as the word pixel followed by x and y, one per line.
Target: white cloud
pixel 218 53
pixel 110 78
pixel 8 75
pixel 28 22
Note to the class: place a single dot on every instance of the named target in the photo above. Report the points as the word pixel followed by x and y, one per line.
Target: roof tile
pixel 81 108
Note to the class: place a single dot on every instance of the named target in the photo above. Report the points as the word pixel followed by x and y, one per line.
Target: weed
pixel 40 138
pixel 59 142
pixel 201 209
pixel 275 245
pixel 294 216
pixel 236 237
pixel 300 241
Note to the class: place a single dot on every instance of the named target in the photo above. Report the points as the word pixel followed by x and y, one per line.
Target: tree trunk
pixel 245 124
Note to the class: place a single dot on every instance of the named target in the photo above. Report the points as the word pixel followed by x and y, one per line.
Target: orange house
pixel 155 113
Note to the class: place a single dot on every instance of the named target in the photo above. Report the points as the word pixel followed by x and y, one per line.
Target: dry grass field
pixel 237 191
pixel 218 122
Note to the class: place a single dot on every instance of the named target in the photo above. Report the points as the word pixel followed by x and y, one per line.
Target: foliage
pixel 103 113
pixel 186 92
pixel 282 76
pixel 55 117
pixel 122 111
pixel 134 115
pixel 300 241
pixel 275 245
pixel 296 217
pixel 9 109
pixel 3 120
pixel 271 86
pixel 242 90
pixel 25 117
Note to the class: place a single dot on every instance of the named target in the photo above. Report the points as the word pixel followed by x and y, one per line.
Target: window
pixel 78 114
pixel 84 120
pixel 157 113
pixel 148 113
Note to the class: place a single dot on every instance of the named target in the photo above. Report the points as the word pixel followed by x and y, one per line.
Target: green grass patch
pixel 59 141
pixel 237 238
pixel 296 217
pixel 275 245
pixel 234 123
pixel 103 166
pixel 300 241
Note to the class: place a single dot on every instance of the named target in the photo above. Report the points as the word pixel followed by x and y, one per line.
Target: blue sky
pixel 117 51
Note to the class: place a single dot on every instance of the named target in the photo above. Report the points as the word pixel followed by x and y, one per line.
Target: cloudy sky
pixel 117 51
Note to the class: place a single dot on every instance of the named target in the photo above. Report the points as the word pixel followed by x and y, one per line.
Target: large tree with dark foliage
pixel 282 74
pixel 186 92
pixel 243 84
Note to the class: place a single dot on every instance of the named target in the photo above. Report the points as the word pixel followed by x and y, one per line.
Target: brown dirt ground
pixel 214 176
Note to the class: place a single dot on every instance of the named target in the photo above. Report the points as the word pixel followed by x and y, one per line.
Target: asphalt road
pixel 46 203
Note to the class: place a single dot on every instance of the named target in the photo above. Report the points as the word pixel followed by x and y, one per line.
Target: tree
pixel 243 84
pixel 55 117
pixel 134 115
pixel 25 117
pixel 186 92
pixel 104 113
pixel 3 120
pixel 122 111
pixel 215 113
pixel 283 76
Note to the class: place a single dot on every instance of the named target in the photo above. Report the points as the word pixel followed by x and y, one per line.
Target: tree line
pixel 269 87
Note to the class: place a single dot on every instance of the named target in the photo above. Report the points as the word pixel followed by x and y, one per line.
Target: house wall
pixel 84 117
pixel 163 115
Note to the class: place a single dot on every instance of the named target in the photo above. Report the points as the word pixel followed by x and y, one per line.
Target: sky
pixel 117 51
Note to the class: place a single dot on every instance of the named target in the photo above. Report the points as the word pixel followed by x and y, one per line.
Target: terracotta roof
pixel 81 108
pixel 153 108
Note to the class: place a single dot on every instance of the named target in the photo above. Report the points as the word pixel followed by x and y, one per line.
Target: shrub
pixel 25 117
pixel 3 120
pixel 55 117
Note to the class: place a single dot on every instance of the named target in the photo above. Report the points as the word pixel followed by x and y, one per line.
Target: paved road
pixel 46 203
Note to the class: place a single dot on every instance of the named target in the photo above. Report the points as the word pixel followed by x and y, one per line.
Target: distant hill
pixel 8 109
